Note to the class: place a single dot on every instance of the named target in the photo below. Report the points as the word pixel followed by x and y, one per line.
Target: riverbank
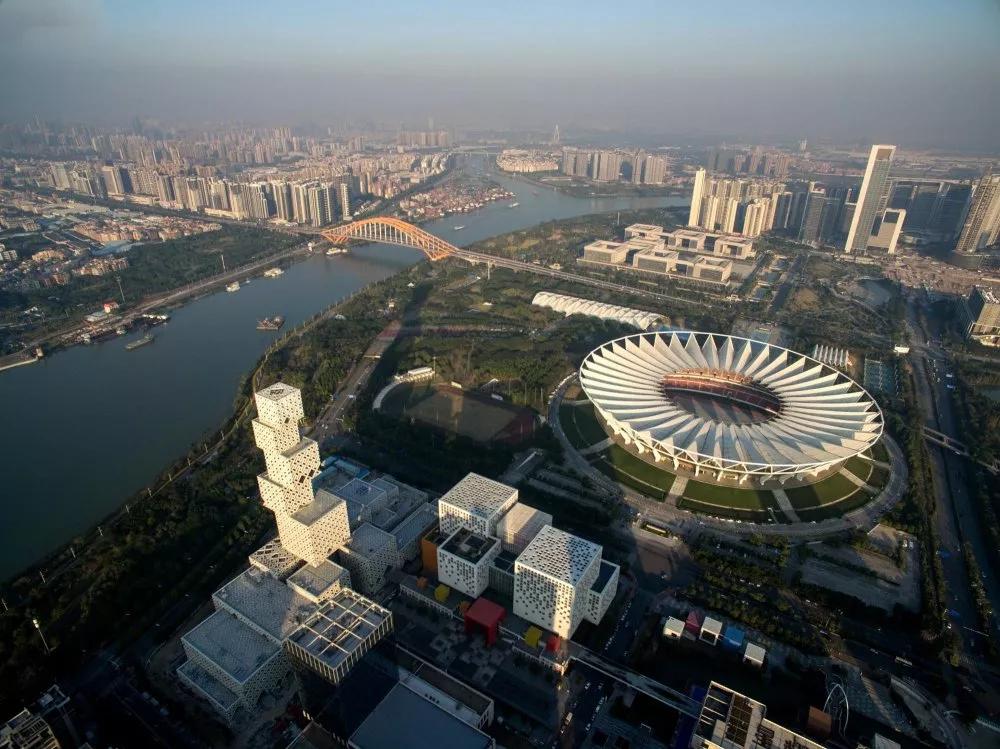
pixel 588 189
pixel 137 410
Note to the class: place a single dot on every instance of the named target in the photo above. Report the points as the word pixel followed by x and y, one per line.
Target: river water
pixel 89 426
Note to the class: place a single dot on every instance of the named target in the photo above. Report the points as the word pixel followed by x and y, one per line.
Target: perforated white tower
pixel 311 528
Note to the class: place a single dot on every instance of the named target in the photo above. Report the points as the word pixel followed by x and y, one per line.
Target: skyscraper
pixel 982 224
pixel 699 190
pixel 871 198
pixel 345 201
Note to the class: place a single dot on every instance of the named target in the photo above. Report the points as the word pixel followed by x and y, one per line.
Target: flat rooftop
pixel 479 496
pixel 361 492
pixel 603 244
pixel 271 605
pixel 467 545
pixel 337 628
pixel 277 392
pixel 414 525
pixel 404 718
pixel 367 540
pixel 560 555
pixel 317 579
pixel 644 227
pixel 323 502
pixel 231 645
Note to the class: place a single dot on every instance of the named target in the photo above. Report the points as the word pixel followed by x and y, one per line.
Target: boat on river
pixel 271 323
pixel 148 338
pixel 234 286
pixel 513 205
pixel 459 227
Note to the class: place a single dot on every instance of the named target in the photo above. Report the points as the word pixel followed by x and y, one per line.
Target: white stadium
pixel 729 408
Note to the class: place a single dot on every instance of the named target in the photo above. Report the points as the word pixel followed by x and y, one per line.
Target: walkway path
pixel 786 506
pixel 596 448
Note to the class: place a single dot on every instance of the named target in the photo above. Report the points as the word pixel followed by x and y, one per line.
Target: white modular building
pixel 520 525
pixel 369 555
pixel 553 578
pixel 464 561
pixel 477 503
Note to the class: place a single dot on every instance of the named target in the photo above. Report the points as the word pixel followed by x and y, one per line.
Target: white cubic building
pixel 477 503
pixel 319 582
pixel 553 578
pixel 520 525
pixel 464 561
pixel 315 530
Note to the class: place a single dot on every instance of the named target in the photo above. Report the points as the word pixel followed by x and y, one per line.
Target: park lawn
pixel 821 493
pixel 732 497
pixel 859 467
pixel 582 425
pixel 755 516
pixel 622 466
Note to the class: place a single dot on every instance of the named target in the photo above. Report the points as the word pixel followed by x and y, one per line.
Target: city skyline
pixel 85 59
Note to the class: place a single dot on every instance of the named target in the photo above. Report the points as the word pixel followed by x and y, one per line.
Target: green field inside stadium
pixel 832 496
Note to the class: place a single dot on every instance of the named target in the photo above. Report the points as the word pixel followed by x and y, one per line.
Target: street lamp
pixel 41 634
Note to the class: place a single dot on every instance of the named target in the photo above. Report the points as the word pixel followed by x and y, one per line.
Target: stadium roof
pixel 571 305
pixel 812 416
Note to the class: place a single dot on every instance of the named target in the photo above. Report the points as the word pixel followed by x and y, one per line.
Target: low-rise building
pixel 319 582
pixel 338 634
pixel 369 556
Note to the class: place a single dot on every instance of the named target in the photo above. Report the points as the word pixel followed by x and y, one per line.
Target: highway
pixel 956 521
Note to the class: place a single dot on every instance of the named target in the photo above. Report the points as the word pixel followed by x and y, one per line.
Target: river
pixel 89 426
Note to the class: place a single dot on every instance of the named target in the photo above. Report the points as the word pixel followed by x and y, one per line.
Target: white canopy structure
pixel 780 414
pixel 571 305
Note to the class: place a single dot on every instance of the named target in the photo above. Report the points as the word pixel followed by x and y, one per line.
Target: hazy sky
pixel 914 72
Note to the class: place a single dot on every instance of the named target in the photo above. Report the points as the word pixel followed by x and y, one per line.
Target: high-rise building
pixel 871 198
pixel 982 224
pixel 888 230
pixel 638 164
pixel 114 184
pixel 814 215
pixel 345 201
pixel 981 310
pixel 310 527
pixel 694 216
pixel 283 201
pixel 607 166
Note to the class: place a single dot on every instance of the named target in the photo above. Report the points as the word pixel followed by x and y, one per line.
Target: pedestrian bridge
pixel 388 230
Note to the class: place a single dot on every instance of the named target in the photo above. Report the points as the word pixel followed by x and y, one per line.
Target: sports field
pixel 473 415
pixel 634 473
pixel 581 425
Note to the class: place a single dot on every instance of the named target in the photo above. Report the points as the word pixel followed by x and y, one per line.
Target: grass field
pixel 581 425
pixel 859 467
pixel 823 492
pixel 622 466
pixel 827 511
pixel 750 500
pixel 472 415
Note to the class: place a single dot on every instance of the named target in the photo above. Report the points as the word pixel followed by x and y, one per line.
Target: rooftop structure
pixel 464 561
pixel 729 407
pixel 320 581
pixel 369 555
pixel 404 718
pixel 275 559
pixel 561 556
pixel 263 603
pixel 731 720
pixel 520 525
pixel 27 731
pixel 476 502
pixel 571 305
pixel 338 633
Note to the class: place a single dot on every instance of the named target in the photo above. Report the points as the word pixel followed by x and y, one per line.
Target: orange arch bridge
pixel 391 231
